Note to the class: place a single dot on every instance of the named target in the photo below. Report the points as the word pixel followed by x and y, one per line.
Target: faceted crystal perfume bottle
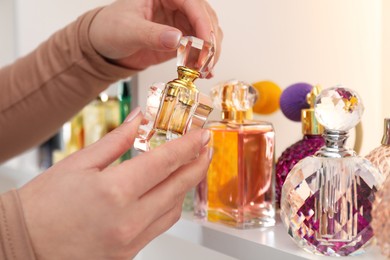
pixel 312 131
pixel 239 190
pixel 179 105
pixel 380 156
pixel 327 198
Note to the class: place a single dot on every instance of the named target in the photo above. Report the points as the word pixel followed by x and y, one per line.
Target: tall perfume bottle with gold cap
pixel 178 102
pixel 299 98
pixel 239 190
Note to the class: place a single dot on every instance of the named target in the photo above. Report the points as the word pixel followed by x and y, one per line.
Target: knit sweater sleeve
pixel 15 243
pixel 38 93
pixel 44 89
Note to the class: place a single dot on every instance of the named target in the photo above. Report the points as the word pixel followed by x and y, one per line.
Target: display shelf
pixel 264 243
pixel 191 238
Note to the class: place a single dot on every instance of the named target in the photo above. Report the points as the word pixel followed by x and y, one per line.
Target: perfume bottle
pixel 101 116
pixel 380 218
pixel 179 101
pixel 239 189
pixel 327 198
pixel 380 156
pixel 124 97
pixel 299 98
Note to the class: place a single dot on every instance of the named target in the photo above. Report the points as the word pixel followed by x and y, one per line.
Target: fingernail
pixel 133 114
pixel 170 39
pixel 213 39
pixel 205 137
pixel 210 153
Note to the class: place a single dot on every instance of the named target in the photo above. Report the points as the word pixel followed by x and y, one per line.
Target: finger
pixel 197 15
pixel 145 171
pixel 217 33
pixel 111 146
pixel 167 192
pixel 156 36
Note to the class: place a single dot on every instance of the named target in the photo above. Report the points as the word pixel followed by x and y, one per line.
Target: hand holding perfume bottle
pixel 327 198
pixel 178 101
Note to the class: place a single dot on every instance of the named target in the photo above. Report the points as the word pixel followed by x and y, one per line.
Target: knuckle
pixel 120 137
pixel 113 194
pixel 121 234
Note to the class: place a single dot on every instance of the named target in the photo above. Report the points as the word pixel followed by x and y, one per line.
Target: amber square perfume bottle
pixel 239 189
pixel 178 102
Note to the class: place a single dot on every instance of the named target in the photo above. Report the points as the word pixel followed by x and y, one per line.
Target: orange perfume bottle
pixel 239 189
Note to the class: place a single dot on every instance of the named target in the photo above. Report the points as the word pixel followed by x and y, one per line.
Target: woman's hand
pixel 137 34
pixel 83 208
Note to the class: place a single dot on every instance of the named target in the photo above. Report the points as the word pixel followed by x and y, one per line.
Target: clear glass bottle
pixel 179 99
pixel 380 156
pixel 239 190
pixel 327 198
pixel 310 143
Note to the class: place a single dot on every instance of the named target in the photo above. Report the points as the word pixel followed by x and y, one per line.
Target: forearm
pixel 42 90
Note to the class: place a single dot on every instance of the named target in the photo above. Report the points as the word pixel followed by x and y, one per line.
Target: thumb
pixel 105 151
pixel 158 36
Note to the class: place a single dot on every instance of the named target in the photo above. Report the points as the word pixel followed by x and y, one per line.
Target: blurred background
pixel 319 42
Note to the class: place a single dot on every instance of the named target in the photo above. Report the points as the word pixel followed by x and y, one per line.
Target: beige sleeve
pixel 41 91
pixel 15 243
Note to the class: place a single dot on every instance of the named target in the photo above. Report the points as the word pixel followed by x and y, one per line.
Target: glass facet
pixel 196 54
pixel 234 95
pixel 152 104
pixel 308 146
pixel 326 204
pixel 381 218
pixel 338 108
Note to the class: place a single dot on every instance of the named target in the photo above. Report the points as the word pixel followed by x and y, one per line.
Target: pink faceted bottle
pixel 327 198
pixel 380 157
pixel 312 139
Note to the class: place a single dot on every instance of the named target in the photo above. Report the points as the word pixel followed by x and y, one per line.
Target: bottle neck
pixel 335 145
pixel 386 132
pixel 238 116
pixel 187 75
pixel 310 125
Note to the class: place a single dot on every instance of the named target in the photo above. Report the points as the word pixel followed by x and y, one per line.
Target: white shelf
pixel 266 243
pixel 194 239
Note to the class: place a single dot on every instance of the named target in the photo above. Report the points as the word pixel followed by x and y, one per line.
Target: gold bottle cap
pixel 310 125
pixel 386 132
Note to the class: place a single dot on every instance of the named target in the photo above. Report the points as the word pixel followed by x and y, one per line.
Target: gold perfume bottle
pixel 178 102
pixel 239 190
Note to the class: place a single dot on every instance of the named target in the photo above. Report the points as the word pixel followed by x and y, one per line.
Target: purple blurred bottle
pixel 298 99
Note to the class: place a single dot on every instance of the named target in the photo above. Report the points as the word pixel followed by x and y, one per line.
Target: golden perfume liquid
pixel 241 174
pixel 179 100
